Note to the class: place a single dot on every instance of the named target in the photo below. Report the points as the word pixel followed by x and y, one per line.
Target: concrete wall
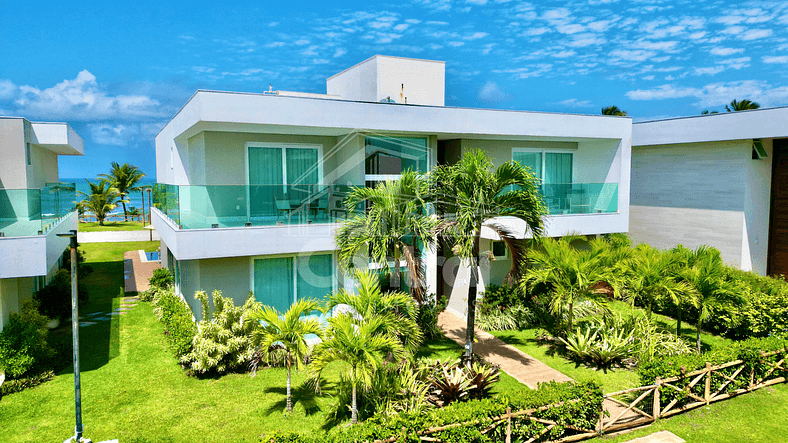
pixel 13 293
pixel 356 83
pixel 13 168
pixel 709 193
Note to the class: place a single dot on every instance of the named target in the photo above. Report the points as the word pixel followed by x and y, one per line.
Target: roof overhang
pixel 59 138
pixel 741 125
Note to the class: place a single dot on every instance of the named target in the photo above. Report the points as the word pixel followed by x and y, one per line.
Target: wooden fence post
pixel 707 393
pixel 657 407
pixel 508 424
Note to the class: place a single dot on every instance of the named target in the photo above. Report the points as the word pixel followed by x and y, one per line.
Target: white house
pixel 34 206
pixel 718 180
pixel 251 185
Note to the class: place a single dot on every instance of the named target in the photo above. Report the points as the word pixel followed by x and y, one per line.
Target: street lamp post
pixel 75 336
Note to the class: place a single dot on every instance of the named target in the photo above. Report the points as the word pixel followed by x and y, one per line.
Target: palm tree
pixel 685 258
pixel 393 226
pixel 287 332
pixel 743 105
pixel 124 179
pixel 652 277
pixel 359 347
pixel 711 291
pixel 470 194
pixel 396 310
pixel 572 275
pixel 102 200
pixel 707 112
pixel 613 110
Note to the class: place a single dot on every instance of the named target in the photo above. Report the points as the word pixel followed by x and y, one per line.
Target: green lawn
pixel 110 226
pixel 612 379
pixel 134 390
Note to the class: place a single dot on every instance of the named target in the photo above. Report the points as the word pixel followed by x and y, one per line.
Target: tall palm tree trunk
pixel 395 276
pixel 125 216
pixel 473 289
pixel 353 408
pixel 289 398
pixel 678 321
pixel 698 342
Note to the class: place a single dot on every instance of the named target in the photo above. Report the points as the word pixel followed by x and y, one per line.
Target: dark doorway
pixel 778 223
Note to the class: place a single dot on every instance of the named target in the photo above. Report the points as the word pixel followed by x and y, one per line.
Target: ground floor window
pixel 281 281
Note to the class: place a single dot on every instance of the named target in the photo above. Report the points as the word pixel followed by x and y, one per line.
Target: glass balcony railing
pixel 581 198
pixel 225 206
pixel 27 212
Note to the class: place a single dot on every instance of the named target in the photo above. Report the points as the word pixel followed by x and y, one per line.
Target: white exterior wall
pixel 13 293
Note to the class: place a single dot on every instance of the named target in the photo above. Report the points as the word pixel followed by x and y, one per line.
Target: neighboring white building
pixel 251 185
pixel 34 207
pixel 717 180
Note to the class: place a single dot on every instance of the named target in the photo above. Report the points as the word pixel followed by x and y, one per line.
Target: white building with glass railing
pixel 251 186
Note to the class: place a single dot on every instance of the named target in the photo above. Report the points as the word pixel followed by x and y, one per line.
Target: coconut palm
pixel 396 310
pixel 394 225
pixel 471 194
pixel 571 274
pixel 711 291
pixel 102 200
pixel 651 277
pixel 743 105
pixel 613 110
pixel 360 348
pixel 124 178
pixel 287 331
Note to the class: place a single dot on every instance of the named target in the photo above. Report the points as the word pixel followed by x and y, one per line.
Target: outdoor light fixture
pixel 72 234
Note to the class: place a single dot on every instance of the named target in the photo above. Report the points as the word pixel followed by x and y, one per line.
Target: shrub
pixel 23 343
pixel 160 281
pixel 179 327
pixel 224 339
pixel 55 298
pixel 17 385
pixel 427 316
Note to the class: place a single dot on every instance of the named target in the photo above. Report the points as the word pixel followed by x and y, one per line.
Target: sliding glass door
pixel 280 281
pixel 295 169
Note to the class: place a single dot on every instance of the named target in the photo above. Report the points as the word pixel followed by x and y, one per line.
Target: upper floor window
pixel 28 154
pixel 388 157
pixel 549 167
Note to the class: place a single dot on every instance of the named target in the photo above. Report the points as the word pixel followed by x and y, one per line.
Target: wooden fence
pixel 643 405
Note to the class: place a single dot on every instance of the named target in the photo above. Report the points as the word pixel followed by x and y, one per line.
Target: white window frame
pixel 505 255
pixel 543 152
pixel 295 257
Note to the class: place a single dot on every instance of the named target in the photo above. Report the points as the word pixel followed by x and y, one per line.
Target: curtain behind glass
pixel 265 170
pixel 273 282
pixel 315 277
pixel 404 153
pixel 531 159
pixel 558 178
pixel 302 172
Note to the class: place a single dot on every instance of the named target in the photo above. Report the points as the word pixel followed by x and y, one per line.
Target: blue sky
pixel 118 73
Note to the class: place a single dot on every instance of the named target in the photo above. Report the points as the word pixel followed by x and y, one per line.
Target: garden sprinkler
pixel 72 234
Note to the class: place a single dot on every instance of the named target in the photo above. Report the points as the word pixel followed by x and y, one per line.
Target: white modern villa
pixel 34 206
pixel 718 180
pixel 251 185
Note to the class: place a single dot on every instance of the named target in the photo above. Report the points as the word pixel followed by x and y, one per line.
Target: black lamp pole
pixel 75 334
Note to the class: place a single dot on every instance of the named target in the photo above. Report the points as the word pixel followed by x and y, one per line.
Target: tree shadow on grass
pixel 303 395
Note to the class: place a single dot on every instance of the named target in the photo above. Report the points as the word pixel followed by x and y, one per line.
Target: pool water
pixel 152 256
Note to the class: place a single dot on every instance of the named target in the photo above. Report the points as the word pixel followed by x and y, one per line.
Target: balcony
pixel 231 206
pixel 580 198
pixel 31 212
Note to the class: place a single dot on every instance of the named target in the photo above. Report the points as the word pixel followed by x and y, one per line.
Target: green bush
pixel 17 385
pixel 224 338
pixel 427 317
pixel 161 280
pixel 55 298
pixel 582 407
pixel 23 343
pixel 179 327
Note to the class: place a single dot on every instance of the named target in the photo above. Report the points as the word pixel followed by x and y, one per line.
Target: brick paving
pixel 137 272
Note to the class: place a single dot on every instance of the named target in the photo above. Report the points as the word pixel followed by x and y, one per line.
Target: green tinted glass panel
pixel 531 159
pixel 273 282
pixel 302 166
pixel 265 168
pixel 315 277
pixel 393 155
pixel 557 168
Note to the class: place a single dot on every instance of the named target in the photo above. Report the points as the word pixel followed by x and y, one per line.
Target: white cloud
pixel 491 92
pixel 536 31
pixel 476 2
pixel 401 27
pixel 475 36
pixel 339 53
pixel 766 59
pixel 7 89
pixel 570 28
pixel 726 51
pixel 661 92
pixel 709 71
pixel 632 55
pixel 123 134
pixel 203 69
pixel 456 44
pixel 575 103
pixel 301 42
pixel 754 34
pixel 716 94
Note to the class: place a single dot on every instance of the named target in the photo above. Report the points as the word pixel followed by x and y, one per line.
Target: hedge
pixel 576 404
pixel 179 326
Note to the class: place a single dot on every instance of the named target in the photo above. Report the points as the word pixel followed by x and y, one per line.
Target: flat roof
pixel 385 56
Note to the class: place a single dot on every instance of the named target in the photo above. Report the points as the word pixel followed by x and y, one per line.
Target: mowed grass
pixel 134 390
pixel 110 226
pixel 614 379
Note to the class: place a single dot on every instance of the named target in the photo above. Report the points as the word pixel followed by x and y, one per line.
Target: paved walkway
pixel 524 368
pixel 659 437
pixel 118 236
pixel 137 270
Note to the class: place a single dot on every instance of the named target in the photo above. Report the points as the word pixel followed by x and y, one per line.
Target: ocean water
pixel 135 198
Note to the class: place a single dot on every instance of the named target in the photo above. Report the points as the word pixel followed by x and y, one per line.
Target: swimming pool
pixel 152 256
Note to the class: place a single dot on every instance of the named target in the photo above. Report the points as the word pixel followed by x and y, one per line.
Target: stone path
pixel 118 236
pixel 137 270
pixel 659 437
pixel 90 319
pixel 524 368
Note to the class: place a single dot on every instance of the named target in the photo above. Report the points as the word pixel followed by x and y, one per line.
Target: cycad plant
pixel 685 258
pixel 651 278
pixel 359 347
pixel 470 194
pixel 394 225
pixel 396 311
pixel 287 332
pixel 102 200
pixel 571 274
pixel 124 178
